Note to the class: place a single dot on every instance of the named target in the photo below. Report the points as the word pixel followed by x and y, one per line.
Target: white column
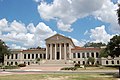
pixel 60 51
pixel 69 51
pixel 94 54
pixel 64 51
pixel 76 54
pixel 21 58
pixel 55 51
pixel 46 51
pixel 50 51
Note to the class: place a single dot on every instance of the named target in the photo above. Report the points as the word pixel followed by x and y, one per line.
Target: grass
pixel 56 77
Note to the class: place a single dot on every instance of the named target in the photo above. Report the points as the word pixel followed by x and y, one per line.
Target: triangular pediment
pixel 58 38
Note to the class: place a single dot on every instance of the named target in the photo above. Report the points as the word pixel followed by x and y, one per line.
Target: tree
pixel 113 49
pixel 91 44
pixel 91 60
pixel 38 60
pixel 118 14
pixel 3 51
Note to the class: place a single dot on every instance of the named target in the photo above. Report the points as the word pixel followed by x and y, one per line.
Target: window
pixel 44 56
pixel 24 56
pixel 118 62
pixel 8 56
pixel 11 63
pixel 106 62
pixel 112 62
pixel 78 62
pixel 97 62
pixel 16 56
pixel 92 54
pixel 28 56
pixel 16 63
pixel 67 44
pixel 36 55
pixel 7 63
pixel 83 55
pixel 97 54
pixel 74 61
pixel 11 56
pixel 32 56
pixel 40 55
pixel 88 55
pixel 62 44
pixel 83 62
pixel 48 45
pixel 74 55
pixel 78 55
pixel 53 45
pixel 57 45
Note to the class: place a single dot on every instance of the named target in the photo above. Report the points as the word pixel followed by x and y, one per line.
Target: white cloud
pixel 99 34
pixel 66 12
pixel 27 36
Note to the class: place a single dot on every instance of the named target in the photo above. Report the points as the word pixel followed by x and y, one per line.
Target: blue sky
pixel 26 23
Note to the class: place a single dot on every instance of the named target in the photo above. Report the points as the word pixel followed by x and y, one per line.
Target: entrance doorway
pixel 58 55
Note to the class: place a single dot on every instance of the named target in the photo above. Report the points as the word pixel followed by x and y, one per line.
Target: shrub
pixel 10 67
pixel 69 68
pixel 77 65
pixel 22 65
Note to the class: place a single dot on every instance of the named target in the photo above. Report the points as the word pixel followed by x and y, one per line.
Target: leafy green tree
pixel 38 60
pixel 91 60
pixel 3 51
pixel 91 44
pixel 113 49
pixel 118 13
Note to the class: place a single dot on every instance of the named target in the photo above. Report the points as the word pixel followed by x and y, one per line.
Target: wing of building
pixel 59 50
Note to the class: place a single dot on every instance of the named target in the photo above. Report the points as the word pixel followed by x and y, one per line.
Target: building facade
pixel 59 50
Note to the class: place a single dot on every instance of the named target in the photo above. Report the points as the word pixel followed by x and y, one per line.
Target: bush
pixel 77 65
pixel 10 67
pixel 69 68
pixel 22 65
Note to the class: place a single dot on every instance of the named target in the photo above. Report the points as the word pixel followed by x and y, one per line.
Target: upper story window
pixel 78 55
pixel 32 56
pixel 88 55
pixel 24 56
pixel 74 55
pixel 36 55
pixel 11 56
pixel 67 44
pixel 8 56
pixel 83 55
pixel 16 56
pixel 92 54
pixel 97 54
pixel 28 56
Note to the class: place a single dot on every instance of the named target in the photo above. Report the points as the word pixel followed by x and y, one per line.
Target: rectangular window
pixel 16 56
pixel 44 55
pixel 11 56
pixel 36 55
pixel 92 54
pixel 28 56
pixel 24 56
pixel 78 55
pixel 32 56
pixel 83 55
pixel 8 56
pixel 41 56
pixel 74 55
pixel 88 55
pixel 97 54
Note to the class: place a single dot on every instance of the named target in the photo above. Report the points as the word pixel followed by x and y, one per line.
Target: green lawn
pixel 56 77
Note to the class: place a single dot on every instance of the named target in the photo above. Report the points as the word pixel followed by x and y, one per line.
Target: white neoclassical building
pixel 59 50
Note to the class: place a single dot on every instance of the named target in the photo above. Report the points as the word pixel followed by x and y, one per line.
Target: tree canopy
pixel 3 50
pixel 118 13
pixel 91 44
pixel 113 47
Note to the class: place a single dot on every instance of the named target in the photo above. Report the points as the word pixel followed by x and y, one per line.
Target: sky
pixel 27 23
